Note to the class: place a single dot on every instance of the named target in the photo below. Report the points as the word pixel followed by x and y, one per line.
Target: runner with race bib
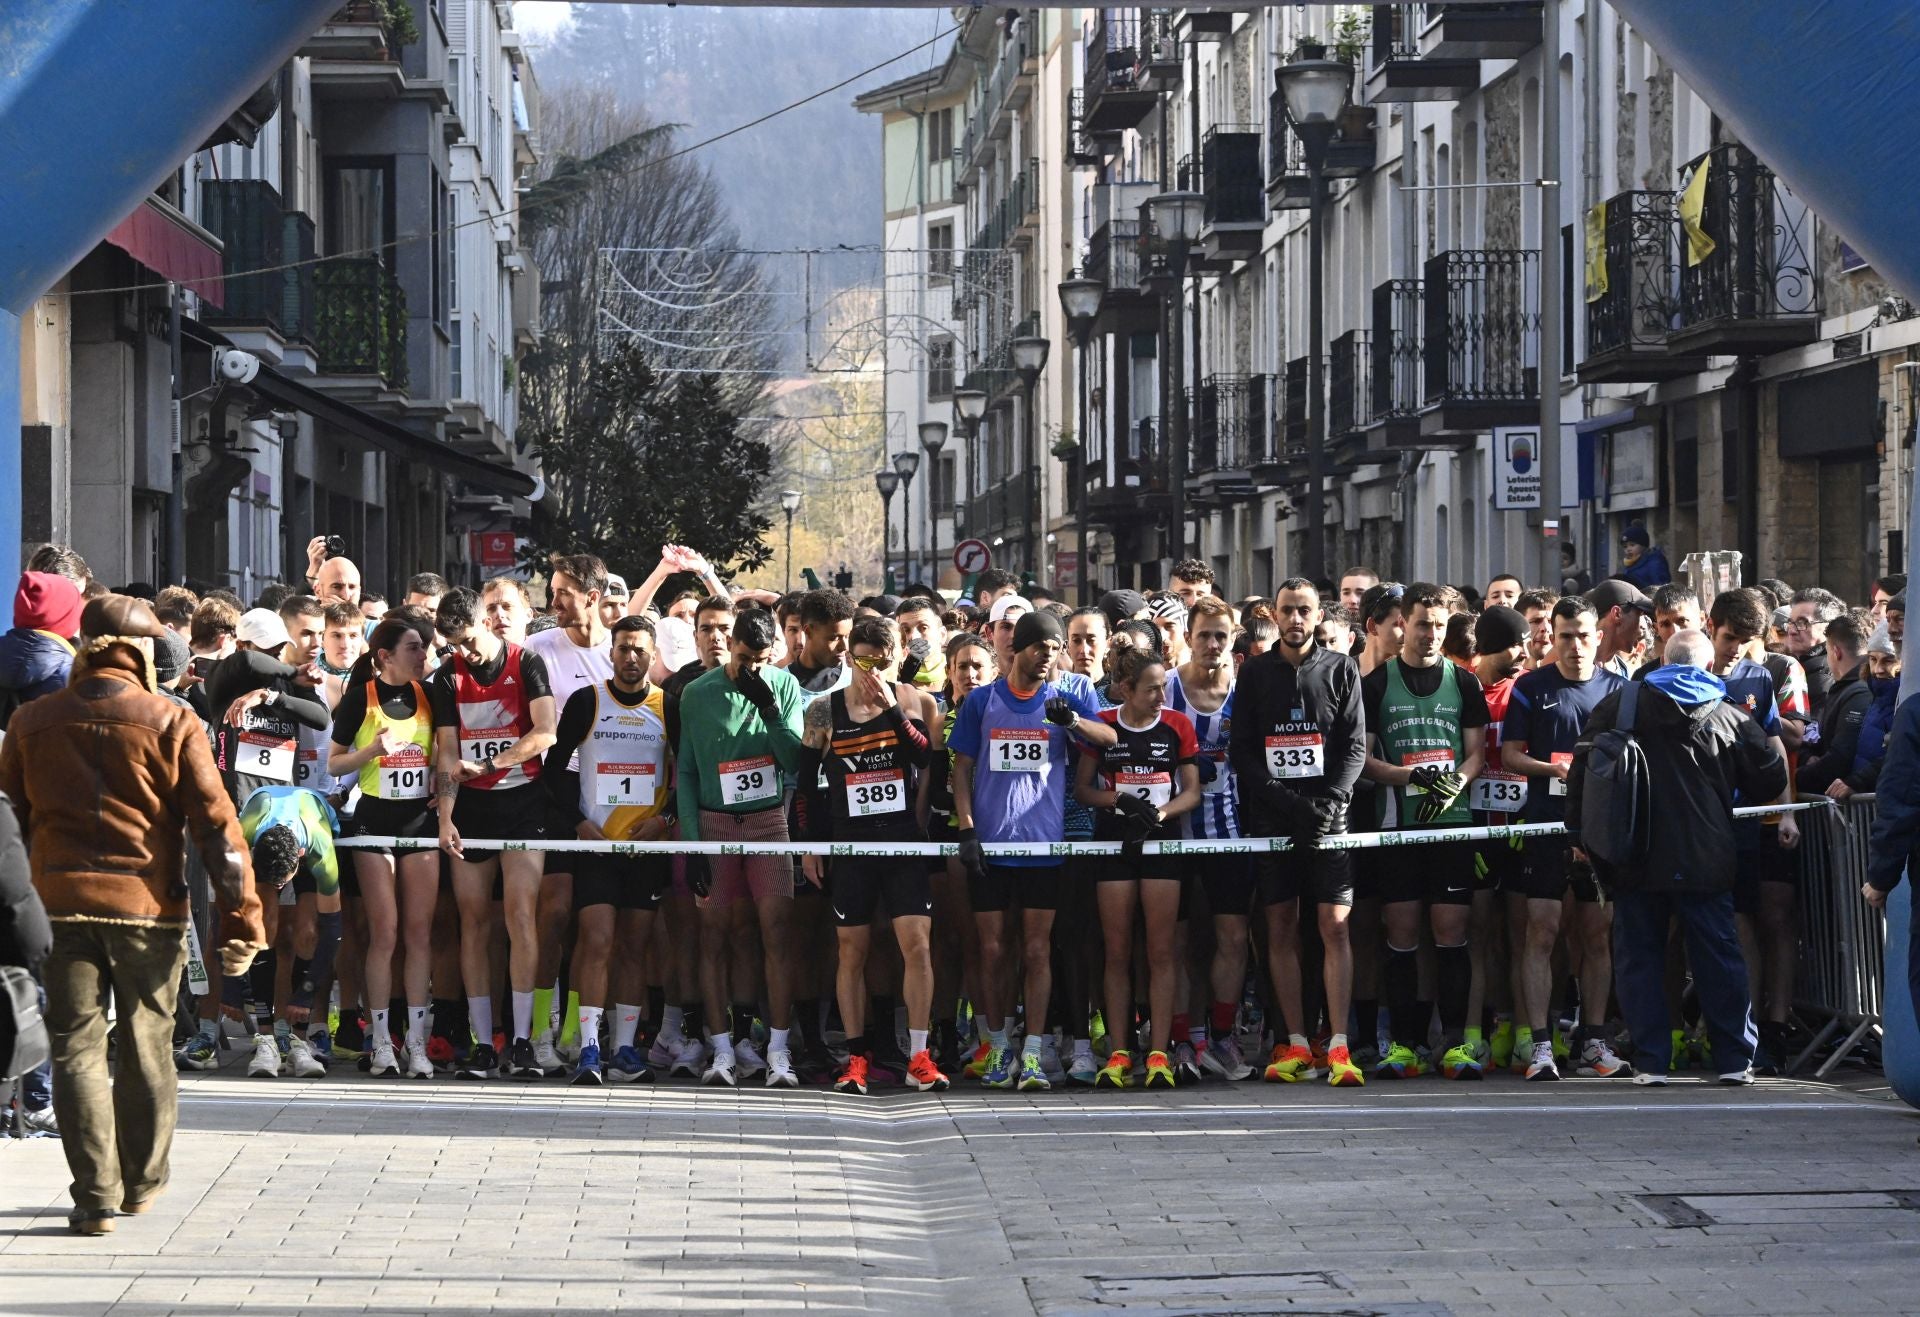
pixel 1497 797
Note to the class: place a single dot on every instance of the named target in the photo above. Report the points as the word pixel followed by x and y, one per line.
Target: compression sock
pixel 1402 974
pixel 742 1021
pixel 416 1026
pixel 570 1019
pixel 626 1025
pixel 1455 983
pixel 524 1004
pixel 542 1023
pixel 1366 1020
pixel 480 1017
pixel 326 945
pixel 1220 1018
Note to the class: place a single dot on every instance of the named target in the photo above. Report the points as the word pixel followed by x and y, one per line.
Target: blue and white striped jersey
pixel 1218 815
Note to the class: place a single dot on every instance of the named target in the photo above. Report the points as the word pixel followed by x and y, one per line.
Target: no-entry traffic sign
pixel 971 556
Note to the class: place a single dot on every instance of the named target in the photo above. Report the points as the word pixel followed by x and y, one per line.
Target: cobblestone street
pixel 1586 1196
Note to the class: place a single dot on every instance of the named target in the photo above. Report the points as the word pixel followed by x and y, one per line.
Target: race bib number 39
pixel 1301 755
pixel 1154 788
pixel 1016 750
pixel 266 755
pixel 626 784
pixel 749 782
pixel 883 792
pixel 1441 759
pixel 1498 793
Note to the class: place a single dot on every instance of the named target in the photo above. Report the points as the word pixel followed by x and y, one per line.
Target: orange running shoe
pixel 853 1076
pixel 1291 1064
pixel 1341 1071
pixel 924 1075
pixel 976 1066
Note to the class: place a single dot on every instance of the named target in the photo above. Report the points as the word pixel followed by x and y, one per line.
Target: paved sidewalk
pixel 1588 1196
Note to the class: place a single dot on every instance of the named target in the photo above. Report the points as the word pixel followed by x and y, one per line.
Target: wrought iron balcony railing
pixel 1394 389
pixel 1349 368
pixel 1759 265
pixel 360 321
pixel 1113 254
pixel 1632 299
pixel 1230 177
pixel 260 235
pixel 1229 423
pixel 1481 325
pixel 1293 429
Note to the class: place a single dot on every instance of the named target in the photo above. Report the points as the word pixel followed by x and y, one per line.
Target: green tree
pixel 645 464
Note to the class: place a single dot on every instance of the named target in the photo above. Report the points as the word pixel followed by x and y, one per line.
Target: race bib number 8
pixel 262 755
pixel 749 782
pixel 1441 759
pixel 882 792
pixel 626 784
pixel 1296 756
pixel 1498 793
pixel 1154 788
pixel 1016 750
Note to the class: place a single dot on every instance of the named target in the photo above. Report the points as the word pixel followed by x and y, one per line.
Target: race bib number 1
pixel 749 782
pixel 625 784
pixel 1296 756
pixel 883 792
pixel 1498 793
pixel 1016 750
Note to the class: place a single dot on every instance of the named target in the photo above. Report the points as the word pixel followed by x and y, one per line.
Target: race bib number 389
pixel 749 782
pixel 1016 750
pixel 882 792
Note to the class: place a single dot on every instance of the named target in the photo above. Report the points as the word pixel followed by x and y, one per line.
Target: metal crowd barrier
pixel 1843 939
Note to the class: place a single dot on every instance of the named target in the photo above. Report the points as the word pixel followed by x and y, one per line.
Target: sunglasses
pixel 869 662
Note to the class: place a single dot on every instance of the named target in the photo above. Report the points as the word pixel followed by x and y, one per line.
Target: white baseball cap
pixel 262 628
pixel 1005 604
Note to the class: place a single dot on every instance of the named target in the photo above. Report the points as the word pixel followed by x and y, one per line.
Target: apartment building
pixel 370 188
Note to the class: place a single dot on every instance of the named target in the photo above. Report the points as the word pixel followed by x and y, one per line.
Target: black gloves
pixel 1209 768
pixel 699 876
pixel 1060 712
pixel 1317 817
pixel 1137 818
pixel 972 858
pixel 1426 776
pixel 754 688
pixel 1445 789
pixel 909 669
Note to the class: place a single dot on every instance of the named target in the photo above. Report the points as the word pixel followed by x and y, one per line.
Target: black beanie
pixel 1498 628
pixel 1032 628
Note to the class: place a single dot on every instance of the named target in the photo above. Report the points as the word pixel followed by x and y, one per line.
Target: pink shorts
pixel 736 877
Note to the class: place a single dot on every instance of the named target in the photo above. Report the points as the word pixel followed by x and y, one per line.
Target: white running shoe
pixel 302 1061
pixel 266 1058
pixel 1597 1061
pixel 780 1073
pixel 1050 1060
pixel 1542 1066
pixel 546 1058
pixel 666 1047
pixel 721 1070
pixel 1740 1078
pixel 690 1060
pixel 1650 1079
pixel 747 1061
pixel 418 1066
pixel 382 1061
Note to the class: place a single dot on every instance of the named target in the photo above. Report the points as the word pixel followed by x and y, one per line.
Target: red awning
pixel 161 239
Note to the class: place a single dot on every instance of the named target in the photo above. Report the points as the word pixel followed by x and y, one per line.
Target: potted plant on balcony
pixel 1349 37
pixel 1065 446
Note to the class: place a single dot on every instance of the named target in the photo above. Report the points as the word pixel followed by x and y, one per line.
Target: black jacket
pixel 25 935
pixel 1698 755
pixel 1847 705
pixel 1326 688
pixel 1896 824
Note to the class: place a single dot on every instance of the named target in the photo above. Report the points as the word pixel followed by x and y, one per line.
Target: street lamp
pixel 1176 217
pixel 1315 92
pixel 1029 359
pixel 1080 299
pixel 886 482
pixel 789 504
pixel 906 462
pixel 969 405
pixel 933 437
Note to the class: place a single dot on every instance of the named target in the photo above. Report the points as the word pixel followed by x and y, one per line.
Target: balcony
pixel 1755 292
pixel 1229 436
pixel 1115 98
pixel 1231 182
pixel 259 235
pixel 1632 299
pixel 1349 155
pixel 355 54
pixel 1138 488
pixel 1349 391
pixel 1009 507
pixel 1482 31
pixel 1391 415
pixel 360 322
pixel 1085 147
pixel 1398 70
pixel 1480 322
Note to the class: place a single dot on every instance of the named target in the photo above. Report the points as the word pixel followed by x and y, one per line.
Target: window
pixel 940 135
pixel 360 208
pixel 940 250
pixel 942 491
pixel 940 368
pixel 442 247
pixel 455 374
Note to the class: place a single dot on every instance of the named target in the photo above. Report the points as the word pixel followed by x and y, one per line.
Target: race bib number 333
pixel 1296 755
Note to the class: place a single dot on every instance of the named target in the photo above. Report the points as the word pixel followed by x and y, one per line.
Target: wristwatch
pixel 487 764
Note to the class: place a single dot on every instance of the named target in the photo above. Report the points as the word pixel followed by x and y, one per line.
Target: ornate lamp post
pixel 1177 217
pixel 789 504
pixel 905 463
pixel 1029 359
pixel 886 482
pixel 1080 300
pixel 933 437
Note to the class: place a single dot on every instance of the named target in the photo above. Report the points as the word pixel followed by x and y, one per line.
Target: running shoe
pixel 852 1077
pixel 690 1060
pixel 1085 1071
pixel 587 1071
pixel 629 1067
pixel 1500 1045
pixel 481 1062
pixel 381 1060
pixel 1649 1079
pixel 1159 1071
pixel 1400 1062
pixel 350 1039
pixel 40 1124
pixel 1001 1069
pixel 979 1063
pixel 1341 1070
pixel 665 1046
pixel 320 1043
pixel 1186 1064
pixel 1542 1066
pixel 546 1058
pixel 418 1067
pixel 1367 1058
pixel 747 1061
pixel 521 1063
pixel 1680 1050
pixel 1597 1061
pixel 1033 1075
pixel 1739 1078
pixel 197 1053
pixel 1461 1062
pixel 1097 1031
pixel 440 1052
pixel 1223 1058
pixel 815 1064
pixel 1291 1063
pixel 1050 1060
pixel 780 1071
pixel 1522 1051
pixel 721 1070
pixel 886 1063
pixel 925 1076
pixel 1118 1071
pixel 266 1058
pixel 301 1062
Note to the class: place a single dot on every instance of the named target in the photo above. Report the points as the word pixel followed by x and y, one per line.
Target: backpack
pixel 1617 795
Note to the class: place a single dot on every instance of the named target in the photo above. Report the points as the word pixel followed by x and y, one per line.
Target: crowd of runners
pixel 439 720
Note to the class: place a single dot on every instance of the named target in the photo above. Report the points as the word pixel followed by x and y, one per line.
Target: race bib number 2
pixel 1017 750
pixel 749 782
pixel 1155 788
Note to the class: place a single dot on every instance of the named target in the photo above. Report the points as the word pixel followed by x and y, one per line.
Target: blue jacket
pixel 1650 571
pixel 1871 754
pixel 33 663
pixel 1897 825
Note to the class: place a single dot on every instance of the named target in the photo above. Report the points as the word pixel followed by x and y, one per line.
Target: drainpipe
pixel 176 569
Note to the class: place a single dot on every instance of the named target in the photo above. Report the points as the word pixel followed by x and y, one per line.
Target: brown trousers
pixel 117 1129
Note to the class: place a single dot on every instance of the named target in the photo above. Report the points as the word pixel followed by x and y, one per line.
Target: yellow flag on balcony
pixel 1693 204
pixel 1597 252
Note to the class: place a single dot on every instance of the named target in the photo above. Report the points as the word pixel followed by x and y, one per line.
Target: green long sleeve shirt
pixel 731 759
